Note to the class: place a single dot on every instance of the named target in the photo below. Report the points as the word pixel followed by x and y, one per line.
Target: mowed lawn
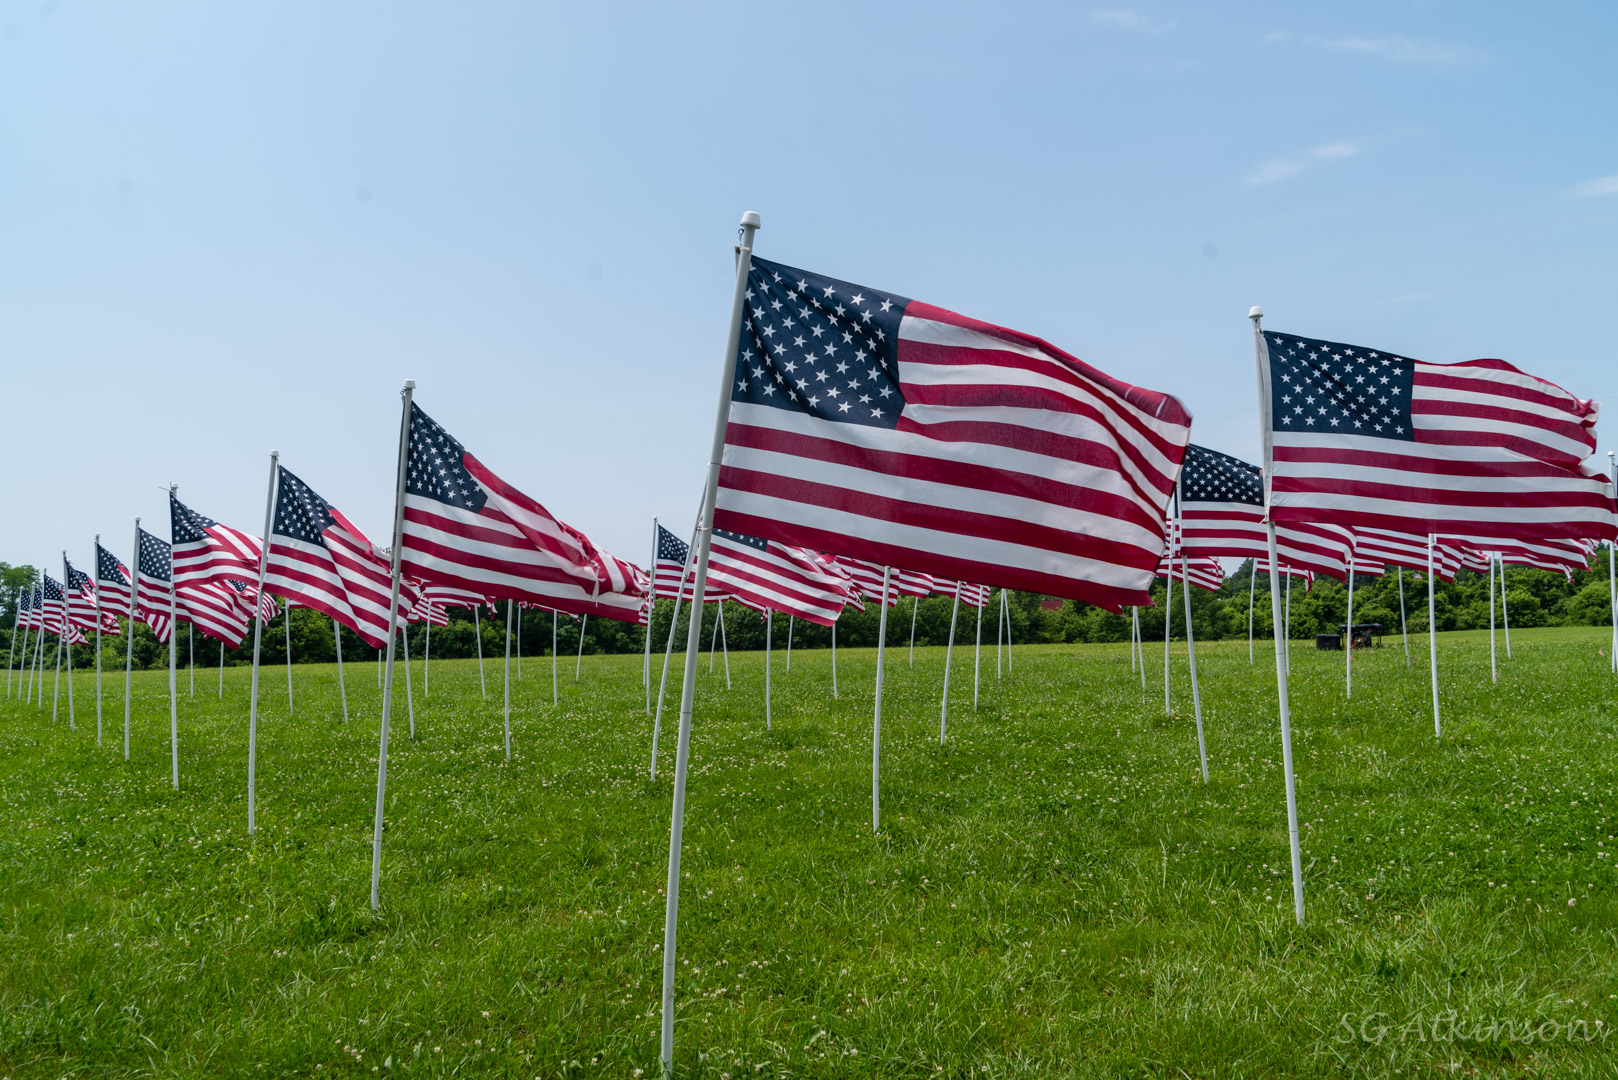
pixel 1054 892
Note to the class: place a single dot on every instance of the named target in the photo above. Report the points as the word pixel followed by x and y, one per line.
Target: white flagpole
pixel 791 621
pixel 393 627
pixel 477 630
pixel 61 639
pixel 1168 623
pixel 1287 623
pixel 949 652
pixel 410 698
pixel 834 658
pixel 288 622
pixel 744 251
pixel 651 593
pixel 36 674
pixel 510 608
pixel 1010 660
pixel 668 650
pixel 129 640
pixel 174 632
pixel 1404 627
pixel 1137 647
pixel 915 606
pixel 1275 615
pixel 999 636
pixel 26 590
pixel 713 640
pixel 258 634
pixel 977 654
pixel 221 669
pixel 1348 635
pixel 67 644
pixel 769 622
pixel 426 658
pixel 1432 636
pixel 724 643
pixel 578 665
pixel 1190 640
pixel 379 669
pixel 876 724
pixel 1252 582
pixel 519 644
pixel 555 695
pixel 342 690
pixel 1494 673
pixel 191 656
pixel 1505 614
pixel 96 570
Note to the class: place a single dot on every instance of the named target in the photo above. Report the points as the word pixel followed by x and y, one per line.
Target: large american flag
pixel 152 569
pixel 869 425
pixel 465 527
pixel 673 567
pixel 112 581
pixel 319 559
pixel 868 579
pixel 205 550
pixel 1222 514
pixel 1366 438
pixel 81 602
pixel 772 576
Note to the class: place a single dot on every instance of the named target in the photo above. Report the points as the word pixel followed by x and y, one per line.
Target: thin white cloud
pixel 1276 170
pixel 1128 19
pixel 1605 185
pixel 1395 48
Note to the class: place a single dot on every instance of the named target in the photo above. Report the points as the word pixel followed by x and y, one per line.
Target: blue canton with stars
pixel 185 524
pixel 739 538
pixel 299 512
pixel 671 548
pixel 53 588
pixel 107 566
pixel 819 346
pixel 77 580
pixel 154 557
pixel 1322 387
pixel 1209 476
pixel 435 469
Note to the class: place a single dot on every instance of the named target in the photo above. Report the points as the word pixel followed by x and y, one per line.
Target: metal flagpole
pixel 1168 621
pixel 1348 638
pixel 977 655
pixel 191 656
pixel 25 590
pixel 61 639
pixel 834 658
pixel 174 632
pixel 96 564
pixel 791 621
pixel 426 656
pixel 67 644
pixel 949 652
pixel 915 606
pixel 221 669
pixel 511 608
pixel 258 634
pixel 1404 627
pixel 1137 648
pixel 393 626
pixel 578 664
pixel 769 623
pixel 519 644
pixel 744 251
pixel 410 700
pixel 724 643
pixel 713 640
pixel 379 669
pixel 1190 640
pixel 36 674
pixel 477 630
pixel 342 690
pixel 1494 673
pixel 1275 614
pixel 288 613
pixel 1252 582
pixel 1287 624
pixel 1010 660
pixel 876 723
pixel 1612 578
pixel 555 698
pixel 999 636
pixel 1505 614
pixel 129 640
pixel 668 651
pixel 1432 636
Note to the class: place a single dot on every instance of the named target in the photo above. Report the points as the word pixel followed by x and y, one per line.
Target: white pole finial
pixel 1255 312
pixel 410 384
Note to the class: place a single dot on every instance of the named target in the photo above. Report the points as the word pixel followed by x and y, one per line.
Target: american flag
pixel 430 612
pixel 246 591
pixel 868 579
pixel 112 581
pixel 54 610
pixel 81 602
pixel 1563 556
pixel 882 428
pixel 971 595
pixel 29 611
pixel 772 576
pixel 1203 571
pixel 1222 514
pixel 465 527
pixel 1365 438
pixel 1262 566
pixel 674 566
pixel 321 560
pixel 216 609
pixel 1404 550
pixel 153 587
pixel 205 550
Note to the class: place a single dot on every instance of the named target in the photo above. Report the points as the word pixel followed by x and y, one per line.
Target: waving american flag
pixel 205 550
pixel 772 576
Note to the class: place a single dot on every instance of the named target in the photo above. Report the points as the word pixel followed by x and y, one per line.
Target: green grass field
pixel 1053 893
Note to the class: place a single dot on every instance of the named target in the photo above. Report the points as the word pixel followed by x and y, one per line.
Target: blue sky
pixel 226 228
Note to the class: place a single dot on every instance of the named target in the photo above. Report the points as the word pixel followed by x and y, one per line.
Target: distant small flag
pixel 1203 571
pixel 29 613
pixel 152 569
pixel 771 576
pixel 112 582
pixel 882 428
pixel 868 578
pixel 1369 439
pixel 245 591
pixel 674 566
pixel 1405 551
pixel 205 550
pixel 1222 514
pixel 55 613
pixel 81 603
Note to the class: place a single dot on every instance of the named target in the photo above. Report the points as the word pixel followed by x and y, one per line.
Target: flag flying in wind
pixel 217 609
pixel 205 550
pixel 30 611
pixel 1203 571
pixel 1365 438
pixel 152 570
pixel 772 576
pixel 246 591
pixel 886 429
pixel 1404 550
pixel 674 566
pixel 868 578
pixel 465 527
pixel 319 559
pixel 81 603
pixel 112 582
pixel 54 618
